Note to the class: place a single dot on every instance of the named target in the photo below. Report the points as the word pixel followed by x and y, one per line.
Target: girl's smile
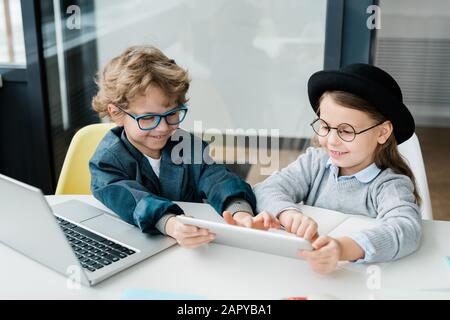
pixel 336 154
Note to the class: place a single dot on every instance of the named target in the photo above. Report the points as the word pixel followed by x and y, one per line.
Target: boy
pixel 134 170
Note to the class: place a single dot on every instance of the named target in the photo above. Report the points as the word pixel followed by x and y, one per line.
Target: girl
pixel 357 170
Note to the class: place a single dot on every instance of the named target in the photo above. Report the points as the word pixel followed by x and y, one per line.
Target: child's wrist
pixel 169 226
pixel 349 249
pixel 241 214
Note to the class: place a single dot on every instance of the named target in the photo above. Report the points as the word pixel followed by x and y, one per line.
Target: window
pixel 249 60
pixel 12 46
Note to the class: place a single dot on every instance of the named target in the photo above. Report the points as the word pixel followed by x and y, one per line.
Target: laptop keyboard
pixel 93 251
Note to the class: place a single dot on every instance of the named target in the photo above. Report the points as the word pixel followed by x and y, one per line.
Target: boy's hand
pixel 186 235
pixel 262 221
pixel 299 224
pixel 326 255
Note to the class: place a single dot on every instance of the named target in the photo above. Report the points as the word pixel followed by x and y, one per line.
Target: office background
pixel 249 61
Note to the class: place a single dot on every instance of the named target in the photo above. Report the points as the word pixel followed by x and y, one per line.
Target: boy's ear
pixel 385 132
pixel 115 114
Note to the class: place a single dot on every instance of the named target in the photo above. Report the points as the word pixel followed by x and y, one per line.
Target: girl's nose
pixel 333 137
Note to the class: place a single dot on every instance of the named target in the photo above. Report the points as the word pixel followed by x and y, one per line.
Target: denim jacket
pixel 124 181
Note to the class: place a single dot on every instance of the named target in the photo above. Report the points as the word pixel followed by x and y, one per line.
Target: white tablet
pixel 274 242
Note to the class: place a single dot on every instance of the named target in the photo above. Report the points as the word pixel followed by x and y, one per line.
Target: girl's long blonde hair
pixel 387 154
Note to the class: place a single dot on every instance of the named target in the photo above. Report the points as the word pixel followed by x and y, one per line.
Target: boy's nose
pixel 163 126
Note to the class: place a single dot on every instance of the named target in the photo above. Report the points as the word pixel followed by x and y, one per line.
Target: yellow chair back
pixel 75 177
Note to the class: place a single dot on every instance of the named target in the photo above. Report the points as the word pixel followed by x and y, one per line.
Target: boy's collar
pixel 366 175
pixel 134 151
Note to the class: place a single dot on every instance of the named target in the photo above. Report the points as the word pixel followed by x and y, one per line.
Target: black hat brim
pixel 383 99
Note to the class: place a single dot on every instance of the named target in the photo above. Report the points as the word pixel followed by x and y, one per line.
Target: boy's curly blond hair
pixel 133 72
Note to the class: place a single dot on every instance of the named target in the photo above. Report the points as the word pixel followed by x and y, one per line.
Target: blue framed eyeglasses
pixel 150 121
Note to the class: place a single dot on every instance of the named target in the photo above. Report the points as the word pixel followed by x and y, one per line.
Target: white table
pixel 221 272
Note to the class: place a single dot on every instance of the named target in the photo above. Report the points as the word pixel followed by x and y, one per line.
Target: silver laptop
pixel 71 236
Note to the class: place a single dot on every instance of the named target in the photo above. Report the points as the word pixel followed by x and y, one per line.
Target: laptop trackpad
pixel 113 227
pixel 76 211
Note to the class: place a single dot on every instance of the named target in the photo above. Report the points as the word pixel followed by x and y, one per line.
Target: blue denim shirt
pixel 123 180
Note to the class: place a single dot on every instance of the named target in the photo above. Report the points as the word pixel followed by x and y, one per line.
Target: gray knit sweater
pixel 388 198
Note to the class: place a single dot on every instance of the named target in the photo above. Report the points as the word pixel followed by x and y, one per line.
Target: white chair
pixel 410 150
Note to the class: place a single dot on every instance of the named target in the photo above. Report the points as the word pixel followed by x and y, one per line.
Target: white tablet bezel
pixel 277 243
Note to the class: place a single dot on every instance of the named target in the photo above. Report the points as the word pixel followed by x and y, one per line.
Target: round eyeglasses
pixel 345 131
pixel 150 121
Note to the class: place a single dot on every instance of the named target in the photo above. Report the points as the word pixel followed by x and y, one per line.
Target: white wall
pixel 414 46
pixel 415 19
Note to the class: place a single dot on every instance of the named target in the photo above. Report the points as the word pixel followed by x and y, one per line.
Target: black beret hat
pixel 370 83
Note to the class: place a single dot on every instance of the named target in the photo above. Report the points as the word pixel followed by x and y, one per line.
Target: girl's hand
pixel 262 221
pixel 299 224
pixel 326 255
pixel 186 235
